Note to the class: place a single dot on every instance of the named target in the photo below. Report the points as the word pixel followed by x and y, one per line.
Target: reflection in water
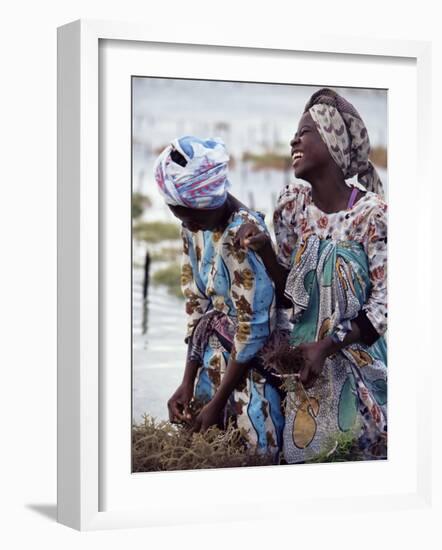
pixel 145 308
pixel 159 352
pixel 145 319
pixel 146 274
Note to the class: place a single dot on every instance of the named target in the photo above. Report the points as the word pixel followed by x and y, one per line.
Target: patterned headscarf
pixel 343 131
pixel 202 183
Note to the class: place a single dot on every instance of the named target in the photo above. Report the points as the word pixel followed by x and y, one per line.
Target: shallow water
pixel 159 353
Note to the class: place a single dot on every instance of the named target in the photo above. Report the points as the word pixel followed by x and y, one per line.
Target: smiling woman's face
pixel 309 152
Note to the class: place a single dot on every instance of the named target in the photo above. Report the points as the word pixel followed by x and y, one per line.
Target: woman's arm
pixel 178 404
pixel 211 413
pixel 250 236
pixel 277 272
pixel 285 220
pixel 196 301
pixel 252 295
pixel 372 318
pixel 374 311
pixel 315 354
pixel 196 304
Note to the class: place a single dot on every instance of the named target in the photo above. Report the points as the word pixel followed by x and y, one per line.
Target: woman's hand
pixel 209 415
pixel 314 354
pixel 250 236
pixel 178 404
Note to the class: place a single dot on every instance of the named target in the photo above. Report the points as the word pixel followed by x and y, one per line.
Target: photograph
pixel 195 286
pixel 259 274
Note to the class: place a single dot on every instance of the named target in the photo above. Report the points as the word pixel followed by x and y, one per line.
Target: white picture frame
pixel 80 270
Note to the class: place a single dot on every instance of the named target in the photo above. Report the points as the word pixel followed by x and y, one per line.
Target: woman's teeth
pixel 296 157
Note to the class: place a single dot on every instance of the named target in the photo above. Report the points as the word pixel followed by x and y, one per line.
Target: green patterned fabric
pixel 328 284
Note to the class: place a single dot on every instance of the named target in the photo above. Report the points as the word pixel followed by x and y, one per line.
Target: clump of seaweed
pixel 287 361
pixel 283 357
pixel 162 446
pixel 340 447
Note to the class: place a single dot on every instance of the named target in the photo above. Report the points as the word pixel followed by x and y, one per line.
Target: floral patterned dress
pixel 338 270
pixel 231 312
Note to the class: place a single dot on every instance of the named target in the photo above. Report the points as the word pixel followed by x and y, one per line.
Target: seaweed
pixel 163 446
pixel 340 447
pixel 281 356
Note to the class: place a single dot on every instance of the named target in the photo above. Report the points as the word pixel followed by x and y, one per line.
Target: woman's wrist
pixel 187 381
pixel 217 403
pixel 219 400
pixel 234 373
pixel 190 374
pixel 266 251
pixel 329 346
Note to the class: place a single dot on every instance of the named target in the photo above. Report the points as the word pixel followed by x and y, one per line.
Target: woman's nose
pixel 294 141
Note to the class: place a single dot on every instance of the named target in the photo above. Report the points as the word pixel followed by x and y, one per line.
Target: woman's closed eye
pixel 299 134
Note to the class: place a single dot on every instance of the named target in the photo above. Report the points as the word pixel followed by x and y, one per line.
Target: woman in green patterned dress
pixel 330 268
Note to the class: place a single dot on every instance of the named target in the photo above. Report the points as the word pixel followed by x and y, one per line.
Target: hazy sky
pixel 164 108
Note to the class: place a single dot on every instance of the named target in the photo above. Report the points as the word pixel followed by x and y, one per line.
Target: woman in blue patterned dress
pixel 229 298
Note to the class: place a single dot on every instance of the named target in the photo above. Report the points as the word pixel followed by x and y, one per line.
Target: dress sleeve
pixel 196 301
pixel 285 223
pixel 376 245
pixel 253 294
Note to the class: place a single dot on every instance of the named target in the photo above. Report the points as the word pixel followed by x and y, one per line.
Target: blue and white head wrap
pixel 201 184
